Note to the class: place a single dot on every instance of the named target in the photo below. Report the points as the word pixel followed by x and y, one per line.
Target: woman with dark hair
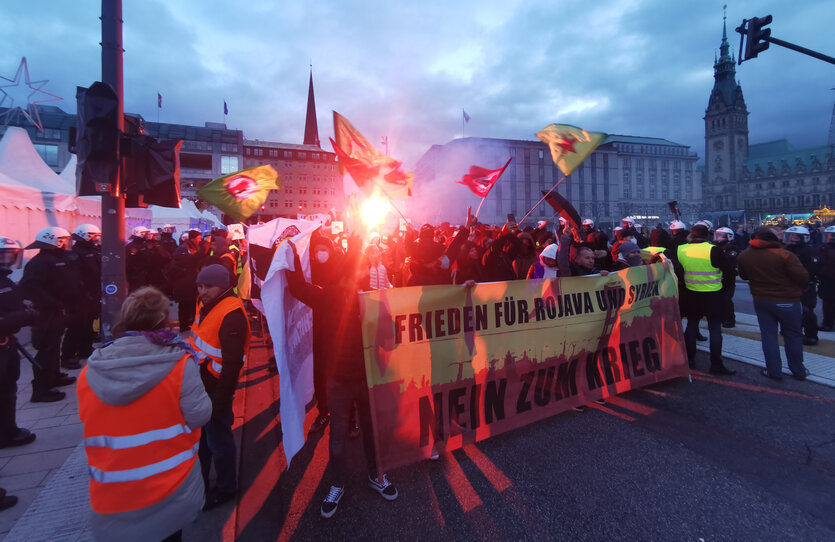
pixel 142 404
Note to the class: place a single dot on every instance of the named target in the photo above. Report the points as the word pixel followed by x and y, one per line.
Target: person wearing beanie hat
pixel 700 267
pixel 221 340
pixel 546 266
pixel 629 255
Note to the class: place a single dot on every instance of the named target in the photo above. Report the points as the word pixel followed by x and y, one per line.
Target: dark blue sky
pixel 406 70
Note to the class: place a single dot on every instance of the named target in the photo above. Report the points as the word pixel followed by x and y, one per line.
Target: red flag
pixel 369 167
pixel 159 100
pixel 481 180
pixel 565 209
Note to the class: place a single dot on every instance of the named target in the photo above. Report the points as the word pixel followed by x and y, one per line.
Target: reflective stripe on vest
pixel 140 473
pixel 699 273
pixel 206 333
pixel 139 453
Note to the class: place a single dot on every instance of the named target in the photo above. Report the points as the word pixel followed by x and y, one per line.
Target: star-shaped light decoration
pixel 18 93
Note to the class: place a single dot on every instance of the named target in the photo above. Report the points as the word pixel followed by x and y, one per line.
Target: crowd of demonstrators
pixel 201 274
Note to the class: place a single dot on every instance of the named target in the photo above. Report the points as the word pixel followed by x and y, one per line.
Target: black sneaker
pixel 766 374
pixel 320 423
pixel 6 501
pixel 20 438
pixel 728 325
pixel 826 328
pixel 386 489
pixel 701 337
pixel 331 502
pixel 47 396
pixel 810 341
pixel 801 376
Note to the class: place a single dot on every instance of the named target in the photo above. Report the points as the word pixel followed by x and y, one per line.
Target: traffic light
pixel 757 36
pixel 97 139
pixel 151 175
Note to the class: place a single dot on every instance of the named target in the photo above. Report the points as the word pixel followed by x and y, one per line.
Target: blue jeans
pixel 789 314
pixel 217 445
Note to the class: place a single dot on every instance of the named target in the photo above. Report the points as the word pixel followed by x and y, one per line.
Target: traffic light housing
pixel 97 139
pixel 757 36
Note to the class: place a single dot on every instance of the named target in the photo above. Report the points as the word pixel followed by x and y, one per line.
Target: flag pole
pixel 564 177
pixel 391 202
pixel 478 210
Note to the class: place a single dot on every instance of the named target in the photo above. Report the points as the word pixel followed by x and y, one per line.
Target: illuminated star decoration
pixel 31 109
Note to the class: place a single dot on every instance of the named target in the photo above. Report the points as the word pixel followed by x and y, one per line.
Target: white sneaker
pixel 331 502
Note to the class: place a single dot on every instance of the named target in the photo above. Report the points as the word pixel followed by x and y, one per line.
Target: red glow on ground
pixel 637 408
pixel 307 487
pixel 656 392
pixel 751 387
pixel 461 487
pixel 433 498
pixel 488 468
pixel 620 415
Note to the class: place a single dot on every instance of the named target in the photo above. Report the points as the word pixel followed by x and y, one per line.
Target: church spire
pixel 724 71
pixel 311 128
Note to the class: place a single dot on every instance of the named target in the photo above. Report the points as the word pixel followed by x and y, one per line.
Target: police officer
pixel 167 240
pixel 14 315
pixel 827 278
pixel 136 264
pixel 701 267
pixel 86 260
pixel 796 239
pixel 724 239
pixel 47 283
pixel 221 339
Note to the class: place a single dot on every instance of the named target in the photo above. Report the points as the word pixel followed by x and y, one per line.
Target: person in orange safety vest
pixel 142 404
pixel 220 338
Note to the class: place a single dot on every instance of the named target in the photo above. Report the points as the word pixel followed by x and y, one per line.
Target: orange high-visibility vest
pixel 206 333
pixel 228 256
pixel 140 453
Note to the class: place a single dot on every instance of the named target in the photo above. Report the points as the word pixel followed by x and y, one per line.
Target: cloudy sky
pixel 407 69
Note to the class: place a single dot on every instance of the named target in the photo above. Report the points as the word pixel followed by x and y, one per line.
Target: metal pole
pixel 114 285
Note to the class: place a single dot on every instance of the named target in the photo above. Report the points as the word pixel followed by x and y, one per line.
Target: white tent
pixel 32 196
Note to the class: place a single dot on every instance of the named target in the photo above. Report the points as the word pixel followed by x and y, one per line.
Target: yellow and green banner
pixel 451 365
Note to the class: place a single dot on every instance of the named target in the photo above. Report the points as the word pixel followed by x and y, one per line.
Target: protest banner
pixel 290 321
pixel 451 365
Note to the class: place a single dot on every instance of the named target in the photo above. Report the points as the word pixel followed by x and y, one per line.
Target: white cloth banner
pixel 290 321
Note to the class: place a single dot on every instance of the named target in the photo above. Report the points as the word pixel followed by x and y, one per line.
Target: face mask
pixel 634 259
pixel 322 256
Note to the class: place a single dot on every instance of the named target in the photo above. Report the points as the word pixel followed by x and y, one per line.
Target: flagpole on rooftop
pixel 564 177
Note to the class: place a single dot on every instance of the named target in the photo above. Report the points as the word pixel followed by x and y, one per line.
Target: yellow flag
pixel 569 145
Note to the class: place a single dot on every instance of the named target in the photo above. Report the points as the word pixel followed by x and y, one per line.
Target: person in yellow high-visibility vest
pixel 700 266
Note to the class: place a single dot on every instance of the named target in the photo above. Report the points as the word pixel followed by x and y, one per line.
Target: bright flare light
pixel 374 211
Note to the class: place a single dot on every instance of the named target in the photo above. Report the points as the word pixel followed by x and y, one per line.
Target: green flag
pixel 569 145
pixel 242 193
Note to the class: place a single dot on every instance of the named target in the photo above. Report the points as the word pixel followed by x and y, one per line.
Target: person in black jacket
pixel 796 239
pixel 13 316
pixel 86 260
pixel 346 377
pixel 187 261
pixel 221 339
pixel 47 283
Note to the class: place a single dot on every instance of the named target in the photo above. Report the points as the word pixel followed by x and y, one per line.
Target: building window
pixel 315 155
pixel 258 152
pixel 273 153
pixel 49 153
pixel 302 154
pixel 288 154
pixel 229 164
